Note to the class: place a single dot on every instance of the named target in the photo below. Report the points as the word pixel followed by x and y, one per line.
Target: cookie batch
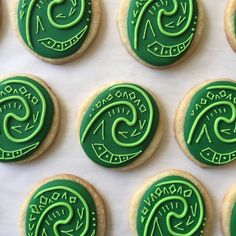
pixel 120 125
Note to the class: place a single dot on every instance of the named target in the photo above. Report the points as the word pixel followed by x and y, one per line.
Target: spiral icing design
pixel 54 29
pixel 210 124
pixel 24 106
pixel 161 31
pixel 119 125
pixel 172 206
pixel 61 207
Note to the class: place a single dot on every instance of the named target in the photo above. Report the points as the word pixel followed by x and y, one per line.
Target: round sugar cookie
pixel 63 205
pixel 57 31
pixel 29 114
pixel 120 126
pixel 228 214
pixel 172 203
pixel 230 23
pixel 205 124
pixel 160 34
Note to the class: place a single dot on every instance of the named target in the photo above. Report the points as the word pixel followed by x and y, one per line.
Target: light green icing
pixel 161 31
pixel 233 221
pixel 210 124
pixel 61 207
pixel 172 206
pixel 54 29
pixel 26 112
pixel 119 125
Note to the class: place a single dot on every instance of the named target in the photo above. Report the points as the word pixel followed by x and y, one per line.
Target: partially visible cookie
pixel 172 203
pixel 205 123
pixel 63 205
pixel 230 23
pixel 29 114
pixel 228 215
pixel 160 34
pixel 57 31
pixel 120 126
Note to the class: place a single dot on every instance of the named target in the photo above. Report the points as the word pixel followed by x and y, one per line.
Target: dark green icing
pixel 26 112
pixel 172 206
pixel 210 124
pixel 233 222
pixel 54 29
pixel 161 31
pixel 119 125
pixel 61 207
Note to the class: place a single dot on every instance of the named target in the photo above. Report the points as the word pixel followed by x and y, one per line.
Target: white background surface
pixel 107 61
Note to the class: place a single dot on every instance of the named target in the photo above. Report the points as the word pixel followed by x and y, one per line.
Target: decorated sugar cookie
pixel 172 203
pixel 230 23
pixel 160 33
pixel 206 123
pixel 120 126
pixel 29 118
pixel 228 215
pixel 63 205
pixel 57 31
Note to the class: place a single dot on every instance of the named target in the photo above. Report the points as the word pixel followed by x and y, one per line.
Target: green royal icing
pixel 26 112
pixel 61 207
pixel 233 222
pixel 161 31
pixel 210 124
pixel 54 28
pixel 119 125
pixel 172 206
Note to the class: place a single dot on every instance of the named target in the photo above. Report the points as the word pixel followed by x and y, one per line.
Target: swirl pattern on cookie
pixel 26 111
pixel 172 206
pixel 119 125
pixel 210 124
pixel 161 31
pixel 54 29
pixel 61 207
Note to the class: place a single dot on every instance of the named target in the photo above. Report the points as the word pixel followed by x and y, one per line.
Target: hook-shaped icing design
pixel 24 107
pixel 119 125
pixel 54 29
pixel 160 31
pixel 210 124
pixel 61 207
pixel 172 205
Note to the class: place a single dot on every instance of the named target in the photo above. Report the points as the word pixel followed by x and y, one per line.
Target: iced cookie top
pixel 27 112
pixel 161 32
pixel 61 207
pixel 119 125
pixel 54 29
pixel 172 205
pixel 210 123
